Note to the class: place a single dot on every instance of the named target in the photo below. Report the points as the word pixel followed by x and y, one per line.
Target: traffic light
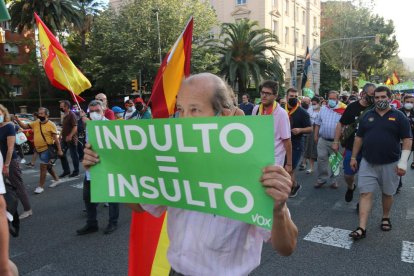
pixel 134 85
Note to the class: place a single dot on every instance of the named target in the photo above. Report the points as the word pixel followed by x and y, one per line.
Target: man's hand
pixel 278 185
pixel 335 146
pixel 6 170
pixel 90 158
pixel 296 131
pixel 354 164
pixel 400 172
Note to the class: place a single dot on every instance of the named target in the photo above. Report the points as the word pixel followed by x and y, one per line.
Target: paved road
pixel 48 244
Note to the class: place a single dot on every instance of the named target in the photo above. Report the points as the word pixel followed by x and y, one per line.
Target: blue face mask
pixel 332 103
pixel 1 119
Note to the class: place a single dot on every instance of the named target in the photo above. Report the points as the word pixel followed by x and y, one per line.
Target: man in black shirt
pixel 246 105
pixel 349 120
pixel 379 134
pixel 299 124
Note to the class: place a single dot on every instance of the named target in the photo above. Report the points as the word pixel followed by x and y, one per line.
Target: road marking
pixel 410 213
pixel 78 186
pixel 16 255
pixel 407 252
pixel 29 171
pixel 330 236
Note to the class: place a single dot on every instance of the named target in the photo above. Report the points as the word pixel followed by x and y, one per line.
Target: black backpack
pixel 11 203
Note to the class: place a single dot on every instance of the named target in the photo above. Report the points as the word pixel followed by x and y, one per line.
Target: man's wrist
pixel 353 158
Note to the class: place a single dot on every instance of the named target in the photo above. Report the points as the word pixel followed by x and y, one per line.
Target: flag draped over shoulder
pixel 175 66
pixel 306 68
pixel 4 14
pixel 395 78
pixel 148 239
pixel 60 70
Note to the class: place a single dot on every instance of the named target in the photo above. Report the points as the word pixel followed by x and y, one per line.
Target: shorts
pixel 347 160
pixel 44 157
pixel 297 150
pixel 371 175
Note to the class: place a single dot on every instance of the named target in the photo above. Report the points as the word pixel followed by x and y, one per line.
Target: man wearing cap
pixel 142 110
pixel 119 112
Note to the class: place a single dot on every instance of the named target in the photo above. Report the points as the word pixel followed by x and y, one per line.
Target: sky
pixel 401 12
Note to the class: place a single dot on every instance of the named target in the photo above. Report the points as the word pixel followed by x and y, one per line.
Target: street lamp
pixel 12 95
pixel 156 11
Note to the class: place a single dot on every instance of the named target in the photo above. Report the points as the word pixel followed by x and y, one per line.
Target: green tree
pixel 330 79
pixel 58 15
pixel 346 20
pixel 248 54
pixel 125 43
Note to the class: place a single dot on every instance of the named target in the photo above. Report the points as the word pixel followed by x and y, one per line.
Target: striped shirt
pixel 327 120
pixel 205 244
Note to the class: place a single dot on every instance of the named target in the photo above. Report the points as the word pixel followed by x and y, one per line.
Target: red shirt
pixel 109 114
pixel 396 104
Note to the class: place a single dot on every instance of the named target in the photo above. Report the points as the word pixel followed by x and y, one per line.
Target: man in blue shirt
pixel 246 105
pixel 379 134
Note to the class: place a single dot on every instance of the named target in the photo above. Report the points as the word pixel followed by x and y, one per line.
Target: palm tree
pixel 247 53
pixel 58 15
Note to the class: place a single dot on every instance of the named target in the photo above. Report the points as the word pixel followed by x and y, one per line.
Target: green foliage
pixel 248 54
pixel 344 20
pixel 58 15
pixel 123 44
pixel 330 78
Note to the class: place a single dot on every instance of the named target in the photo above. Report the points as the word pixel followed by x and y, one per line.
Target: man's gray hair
pixel 45 110
pixel 367 86
pixel 95 103
pixel 221 98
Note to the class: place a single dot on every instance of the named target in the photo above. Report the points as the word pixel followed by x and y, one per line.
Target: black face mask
pixel 41 118
pixel 283 105
pixel 139 106
pixel 62 110
pixel 293 102
pixel 305 105
pixel 369 99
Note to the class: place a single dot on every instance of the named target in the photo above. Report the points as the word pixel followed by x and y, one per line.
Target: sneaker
pixel 30 165
pixel 350 194
pixel 309 171
pixel 295 190
pixel 74 174
pixel 23 161
pixel 64 174
pixel 39 190
pixel 87 229
pixel 55 183
pixel 302 167
pixel 26 214
pixel 110 228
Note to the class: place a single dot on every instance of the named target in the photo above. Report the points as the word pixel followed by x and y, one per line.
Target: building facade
pixel 295 22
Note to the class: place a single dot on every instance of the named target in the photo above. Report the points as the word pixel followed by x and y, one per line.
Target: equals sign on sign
pixel 167 159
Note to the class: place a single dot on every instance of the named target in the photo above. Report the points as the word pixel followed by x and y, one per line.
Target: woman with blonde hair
pixel 11 167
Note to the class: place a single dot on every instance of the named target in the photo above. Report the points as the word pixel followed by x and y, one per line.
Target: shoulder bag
pixel 52 148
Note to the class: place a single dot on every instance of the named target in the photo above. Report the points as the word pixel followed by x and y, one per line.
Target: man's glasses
pixel 267 94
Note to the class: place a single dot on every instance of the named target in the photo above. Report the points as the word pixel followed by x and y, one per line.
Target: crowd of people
pixel 373 136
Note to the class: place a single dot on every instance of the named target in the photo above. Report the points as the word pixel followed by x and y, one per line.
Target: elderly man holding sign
pixel 207 244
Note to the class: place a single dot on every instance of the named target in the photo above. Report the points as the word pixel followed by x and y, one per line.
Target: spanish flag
pixel 395 78
pixel 174 68
pixel 149 242
pixel 388 81
pixel 60 70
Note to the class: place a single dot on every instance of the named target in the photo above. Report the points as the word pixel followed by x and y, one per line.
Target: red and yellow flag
pixel 388 81
pixel 175 66
pixel 60 70
pixel 149 242
pixel 395 78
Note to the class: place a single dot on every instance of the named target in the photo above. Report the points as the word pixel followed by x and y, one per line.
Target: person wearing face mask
pixel 119 112
pixel 69 141
pixel 300 124
pixel 44 134
pixel 141 110
pixel 408 110
pixel 96 113
pixel 310 153
pixel 349 121
pixel 108 113
pixel 379 134
pixel 129 109
pixel 324 134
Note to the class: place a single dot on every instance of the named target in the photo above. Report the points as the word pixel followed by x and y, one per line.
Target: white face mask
pixel 315 106
pixel 95 116
pixel 1 119
pixel 408 106
pixel 130 109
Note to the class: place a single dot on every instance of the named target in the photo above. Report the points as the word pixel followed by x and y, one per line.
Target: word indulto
pixel 133 137
pixel 151 188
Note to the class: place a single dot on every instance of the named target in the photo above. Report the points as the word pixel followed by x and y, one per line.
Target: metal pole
pixel 140 84
pixel 350 75
pixel 159 36
pixel 295 67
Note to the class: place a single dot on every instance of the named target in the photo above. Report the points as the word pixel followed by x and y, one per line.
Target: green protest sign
pixel 335 160
pixel 211 165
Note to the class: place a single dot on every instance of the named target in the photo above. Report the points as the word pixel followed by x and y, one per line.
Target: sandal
pixel 386 226
pixel 358 234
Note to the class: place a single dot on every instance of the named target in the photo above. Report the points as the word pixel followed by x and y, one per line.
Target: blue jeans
pixel 73 148
pixel 91 207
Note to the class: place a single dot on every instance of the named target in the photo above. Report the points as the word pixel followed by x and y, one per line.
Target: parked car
pixel 27 146
pixel 25 116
